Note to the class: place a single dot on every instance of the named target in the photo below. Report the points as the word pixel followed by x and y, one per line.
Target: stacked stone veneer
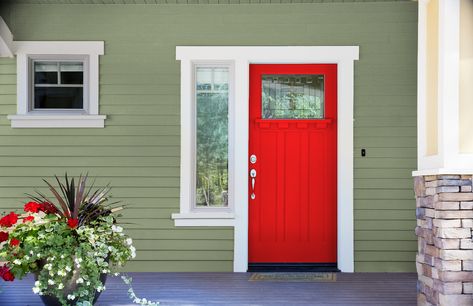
pixel 444 230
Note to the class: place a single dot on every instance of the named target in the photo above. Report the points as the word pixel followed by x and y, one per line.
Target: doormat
pixel 294 277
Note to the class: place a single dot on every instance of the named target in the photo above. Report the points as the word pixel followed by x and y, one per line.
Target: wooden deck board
pixel 235 289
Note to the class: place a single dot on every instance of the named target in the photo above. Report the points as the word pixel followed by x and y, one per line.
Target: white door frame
pixel 241 58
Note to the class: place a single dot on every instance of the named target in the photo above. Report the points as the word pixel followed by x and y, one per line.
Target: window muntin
pixel 292 96
pixel 211 100
pixel 58 85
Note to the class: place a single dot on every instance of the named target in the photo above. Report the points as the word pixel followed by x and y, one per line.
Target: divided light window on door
pixel 292 96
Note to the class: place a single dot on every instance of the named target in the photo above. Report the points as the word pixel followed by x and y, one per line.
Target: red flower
pixel 72 223
pixel 6 274
pixel 32 207
pixel 9 220
pixel 3 236
pixel 28 219
pixel 14 242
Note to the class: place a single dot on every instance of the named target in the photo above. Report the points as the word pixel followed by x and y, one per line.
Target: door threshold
pixel 293 267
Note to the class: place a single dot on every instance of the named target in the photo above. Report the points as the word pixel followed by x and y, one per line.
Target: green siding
pixel 138 151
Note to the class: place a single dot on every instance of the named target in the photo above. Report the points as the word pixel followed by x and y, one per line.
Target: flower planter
pixel 69 287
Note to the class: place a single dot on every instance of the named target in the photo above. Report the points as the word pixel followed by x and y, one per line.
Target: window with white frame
pixel 57 85
pixel 211 104
pixel 206 98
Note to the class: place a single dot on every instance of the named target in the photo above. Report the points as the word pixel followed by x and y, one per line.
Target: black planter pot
pixel 54 301
pixel 69 287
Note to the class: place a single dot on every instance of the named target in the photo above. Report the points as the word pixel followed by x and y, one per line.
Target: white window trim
pixel 190 215
pixel 242 57
pixel 57 119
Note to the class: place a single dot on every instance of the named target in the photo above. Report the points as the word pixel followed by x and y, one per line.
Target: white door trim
pixel 242 57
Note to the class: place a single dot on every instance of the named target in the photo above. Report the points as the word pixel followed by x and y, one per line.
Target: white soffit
pixel 6 40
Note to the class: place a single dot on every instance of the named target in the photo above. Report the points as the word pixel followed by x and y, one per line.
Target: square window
pixel 57 85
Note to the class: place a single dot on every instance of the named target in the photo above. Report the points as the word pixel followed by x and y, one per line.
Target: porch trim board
pixel 240 58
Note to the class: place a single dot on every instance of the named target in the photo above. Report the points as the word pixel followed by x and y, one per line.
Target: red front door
pixel 293 164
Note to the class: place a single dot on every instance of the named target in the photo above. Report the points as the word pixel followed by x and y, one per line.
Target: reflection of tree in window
pixel 212 136
pixel 293 96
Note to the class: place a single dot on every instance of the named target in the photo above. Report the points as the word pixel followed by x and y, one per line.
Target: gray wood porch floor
pixel 235 289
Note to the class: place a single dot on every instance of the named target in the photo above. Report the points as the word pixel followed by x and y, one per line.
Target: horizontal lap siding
pixel 138 151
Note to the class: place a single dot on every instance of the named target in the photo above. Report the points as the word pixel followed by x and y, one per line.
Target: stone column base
pixel 445 247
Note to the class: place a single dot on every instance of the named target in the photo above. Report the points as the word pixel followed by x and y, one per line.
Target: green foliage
pixel 62 256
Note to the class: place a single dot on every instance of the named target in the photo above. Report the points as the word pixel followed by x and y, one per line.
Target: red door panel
pixel 293 216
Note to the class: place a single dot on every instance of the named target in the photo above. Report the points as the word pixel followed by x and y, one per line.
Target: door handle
pixel 253 181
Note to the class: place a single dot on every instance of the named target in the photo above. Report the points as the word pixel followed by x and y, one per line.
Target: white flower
pixel 129 241
pixel 36 290
pixel 105 271
pixel 38 255
pixel 31 253
pixel 133 251
pixel 100 288
pixel 80 280
pixel 60 286
pixel 61 273
pixel 51 282
pixel 68 269
pixel 71 297
pixel 27 257
pixel 17 262
pixel 37 284
pixel 78 260
pixel 117 229
pixel 88 283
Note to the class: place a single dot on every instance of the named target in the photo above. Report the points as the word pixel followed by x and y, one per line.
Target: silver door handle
pixel 253 181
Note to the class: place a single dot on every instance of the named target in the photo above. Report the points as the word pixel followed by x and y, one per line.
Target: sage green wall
pixel 138 151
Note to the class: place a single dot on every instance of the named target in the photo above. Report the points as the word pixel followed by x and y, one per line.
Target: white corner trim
pixel 59 47
pixel 57 121
pixel 6 40
pixel 443 171
pixel 242 57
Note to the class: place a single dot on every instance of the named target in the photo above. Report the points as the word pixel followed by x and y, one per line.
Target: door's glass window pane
pixel 294 96
pixel 58 85
pixel 212 136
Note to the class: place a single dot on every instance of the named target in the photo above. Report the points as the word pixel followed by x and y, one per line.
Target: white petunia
pixel 68 269
pixel 51 282
pixel 117 229
pixel 71 297
pixel 17 262
pixel 60 286
pixel 129 241
pixel 80 280
pixel 37 284
pixel 36 290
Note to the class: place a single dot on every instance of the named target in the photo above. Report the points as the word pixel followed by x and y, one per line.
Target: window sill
pixel 204 219
pixel 57 121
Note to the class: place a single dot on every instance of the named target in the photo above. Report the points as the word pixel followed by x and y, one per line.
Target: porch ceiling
pixel 188 1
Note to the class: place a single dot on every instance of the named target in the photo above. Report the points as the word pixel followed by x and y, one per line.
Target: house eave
pixel 6 40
